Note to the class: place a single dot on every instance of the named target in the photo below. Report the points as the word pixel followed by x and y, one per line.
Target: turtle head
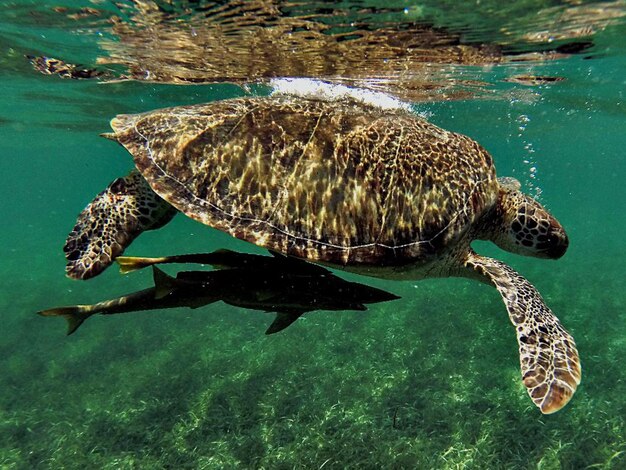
pixel 524 226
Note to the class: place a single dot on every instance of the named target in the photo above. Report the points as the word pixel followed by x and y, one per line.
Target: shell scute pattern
pixel 339 182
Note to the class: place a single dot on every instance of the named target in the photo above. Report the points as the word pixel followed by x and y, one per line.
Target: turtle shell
pixel 333 181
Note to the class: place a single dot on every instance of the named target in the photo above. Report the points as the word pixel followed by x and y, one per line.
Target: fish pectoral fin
pixel 164 284
pixel 283 320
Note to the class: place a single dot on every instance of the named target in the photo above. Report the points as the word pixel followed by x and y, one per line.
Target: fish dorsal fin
pixel 164 284
pixel 283 320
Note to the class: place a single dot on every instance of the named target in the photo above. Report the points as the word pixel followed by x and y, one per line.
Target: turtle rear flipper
pixel 110 222
pixel 548 356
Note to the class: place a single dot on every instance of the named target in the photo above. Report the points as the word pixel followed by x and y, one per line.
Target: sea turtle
pixel 371 189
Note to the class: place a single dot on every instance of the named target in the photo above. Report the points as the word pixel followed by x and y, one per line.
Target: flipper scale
pixel 111 222
pixel 548 357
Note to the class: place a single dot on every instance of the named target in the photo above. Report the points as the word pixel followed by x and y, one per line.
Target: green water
pixel 428 381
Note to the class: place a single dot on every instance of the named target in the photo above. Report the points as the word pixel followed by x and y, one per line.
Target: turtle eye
pixel 118 186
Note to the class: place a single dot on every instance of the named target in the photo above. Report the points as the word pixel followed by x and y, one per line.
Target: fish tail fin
pixel 75 315
pixel 164 284
pixel 128 264
pixel 110 136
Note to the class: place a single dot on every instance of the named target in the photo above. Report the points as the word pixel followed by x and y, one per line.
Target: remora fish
pixel 278 284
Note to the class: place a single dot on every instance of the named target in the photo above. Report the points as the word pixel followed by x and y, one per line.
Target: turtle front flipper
pixel 110 222
pixel 548 356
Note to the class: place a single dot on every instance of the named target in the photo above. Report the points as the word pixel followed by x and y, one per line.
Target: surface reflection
pixel 398 49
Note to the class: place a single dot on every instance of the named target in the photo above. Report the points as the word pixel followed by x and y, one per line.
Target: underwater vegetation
pixel 433 383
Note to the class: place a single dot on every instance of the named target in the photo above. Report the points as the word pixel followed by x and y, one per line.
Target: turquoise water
pixel 428 381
